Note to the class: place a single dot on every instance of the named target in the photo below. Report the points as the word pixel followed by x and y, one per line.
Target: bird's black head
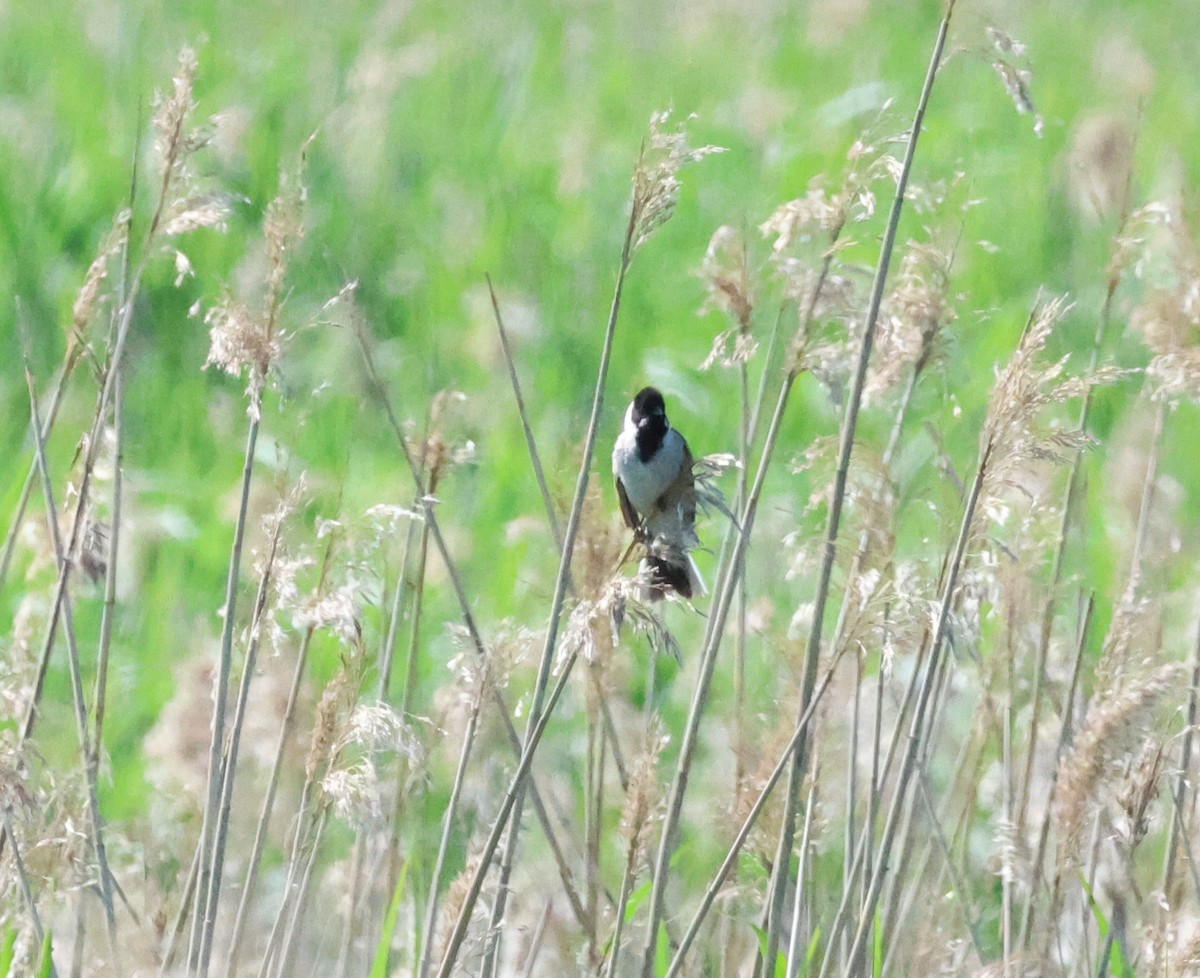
pixel 650 415
pixel 647 405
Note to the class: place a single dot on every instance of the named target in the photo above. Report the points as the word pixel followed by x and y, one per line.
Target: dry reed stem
pixel 530 443
pixel 1082 771
pixel 1047 817
pixel 915 737
pixel 62 559
pixel 641 801
pixel 217 868
pixel 10 540
pixel 655 189
pixel 778 887
pixel 713 635
pixel 639 209
pixel 202 922
pixel 519 779
pixel 743 833
pixel 264 817
pixel 1069 498
pixel 796 959
pixel 431 523
pixel 1179 793
pixel 448 817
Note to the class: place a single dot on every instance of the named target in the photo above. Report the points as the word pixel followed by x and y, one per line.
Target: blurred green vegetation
pixel 450 140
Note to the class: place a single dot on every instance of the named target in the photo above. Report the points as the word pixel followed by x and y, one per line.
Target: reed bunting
pixel 653 469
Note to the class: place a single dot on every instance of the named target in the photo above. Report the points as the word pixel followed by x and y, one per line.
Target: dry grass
pixel 950 770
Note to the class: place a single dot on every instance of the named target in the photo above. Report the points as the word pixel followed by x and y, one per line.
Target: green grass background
pixel 458 139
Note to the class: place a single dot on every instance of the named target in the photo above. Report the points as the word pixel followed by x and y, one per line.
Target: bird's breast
pixel 646 481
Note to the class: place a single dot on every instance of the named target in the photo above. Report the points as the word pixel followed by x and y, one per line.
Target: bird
pixel 652 466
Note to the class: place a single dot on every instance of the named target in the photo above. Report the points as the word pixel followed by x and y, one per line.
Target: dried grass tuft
pixel 1111 723
pixel 656 177
pixel 643 799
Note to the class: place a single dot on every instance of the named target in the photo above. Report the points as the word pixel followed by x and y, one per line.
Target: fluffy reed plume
pixel 727 288
pixel 826 212
pixel 1111 723
pixel 452 905
pixel 1168 320
pixel 606 599
pixel 594 627
pixel 191 205
pixel 1018 431
pixel 334 709
pixel 643 800
pixel 916 310
pixel 706 471
pixel 1129 636
pixel 656 176
pixel 355 782
pixel 247 335
pixel 1009 61
pixel 478 677
pixel 92 293
pixel 172 113
pixel 1138 790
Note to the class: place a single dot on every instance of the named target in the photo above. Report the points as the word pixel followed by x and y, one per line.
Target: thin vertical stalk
pixel 743 833
pixel 264 817
pixel 740 536
pixel 396 614
pixel 346 944
pixel 468 617
pixel 874 787
pixel 593 813
pixel 304 838
pixel 167 958
pixel 867 835
pixel 887 916
pixel 519 779
pixel 1069 500
pixel 851 774
pixel 431 904
pixel 535 942
pixel 560 590
pixel 392 856
pixel 627 878
pixel 915 738
pixel 795 957
pixel 217 867
pixel 10 540
pixel 63 558
pixel 23 881
pixel 739 657
pixel 530 443
pixel 100 688
pixel 201 924
pixel 783 850
pixel 291 941
pixel 1007 870
pixel 1179 791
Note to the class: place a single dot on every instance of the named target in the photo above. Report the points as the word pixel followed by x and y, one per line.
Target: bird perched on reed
pixel 653 469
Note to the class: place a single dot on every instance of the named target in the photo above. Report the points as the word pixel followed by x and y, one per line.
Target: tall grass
pixel 982 765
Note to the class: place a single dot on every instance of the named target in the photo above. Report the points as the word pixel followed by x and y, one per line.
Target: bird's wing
pixel 677 504
pixel 632 520
pixel 682 492
pixel 688 481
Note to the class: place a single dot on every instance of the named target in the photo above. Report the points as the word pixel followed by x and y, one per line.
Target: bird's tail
pixel 667 569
